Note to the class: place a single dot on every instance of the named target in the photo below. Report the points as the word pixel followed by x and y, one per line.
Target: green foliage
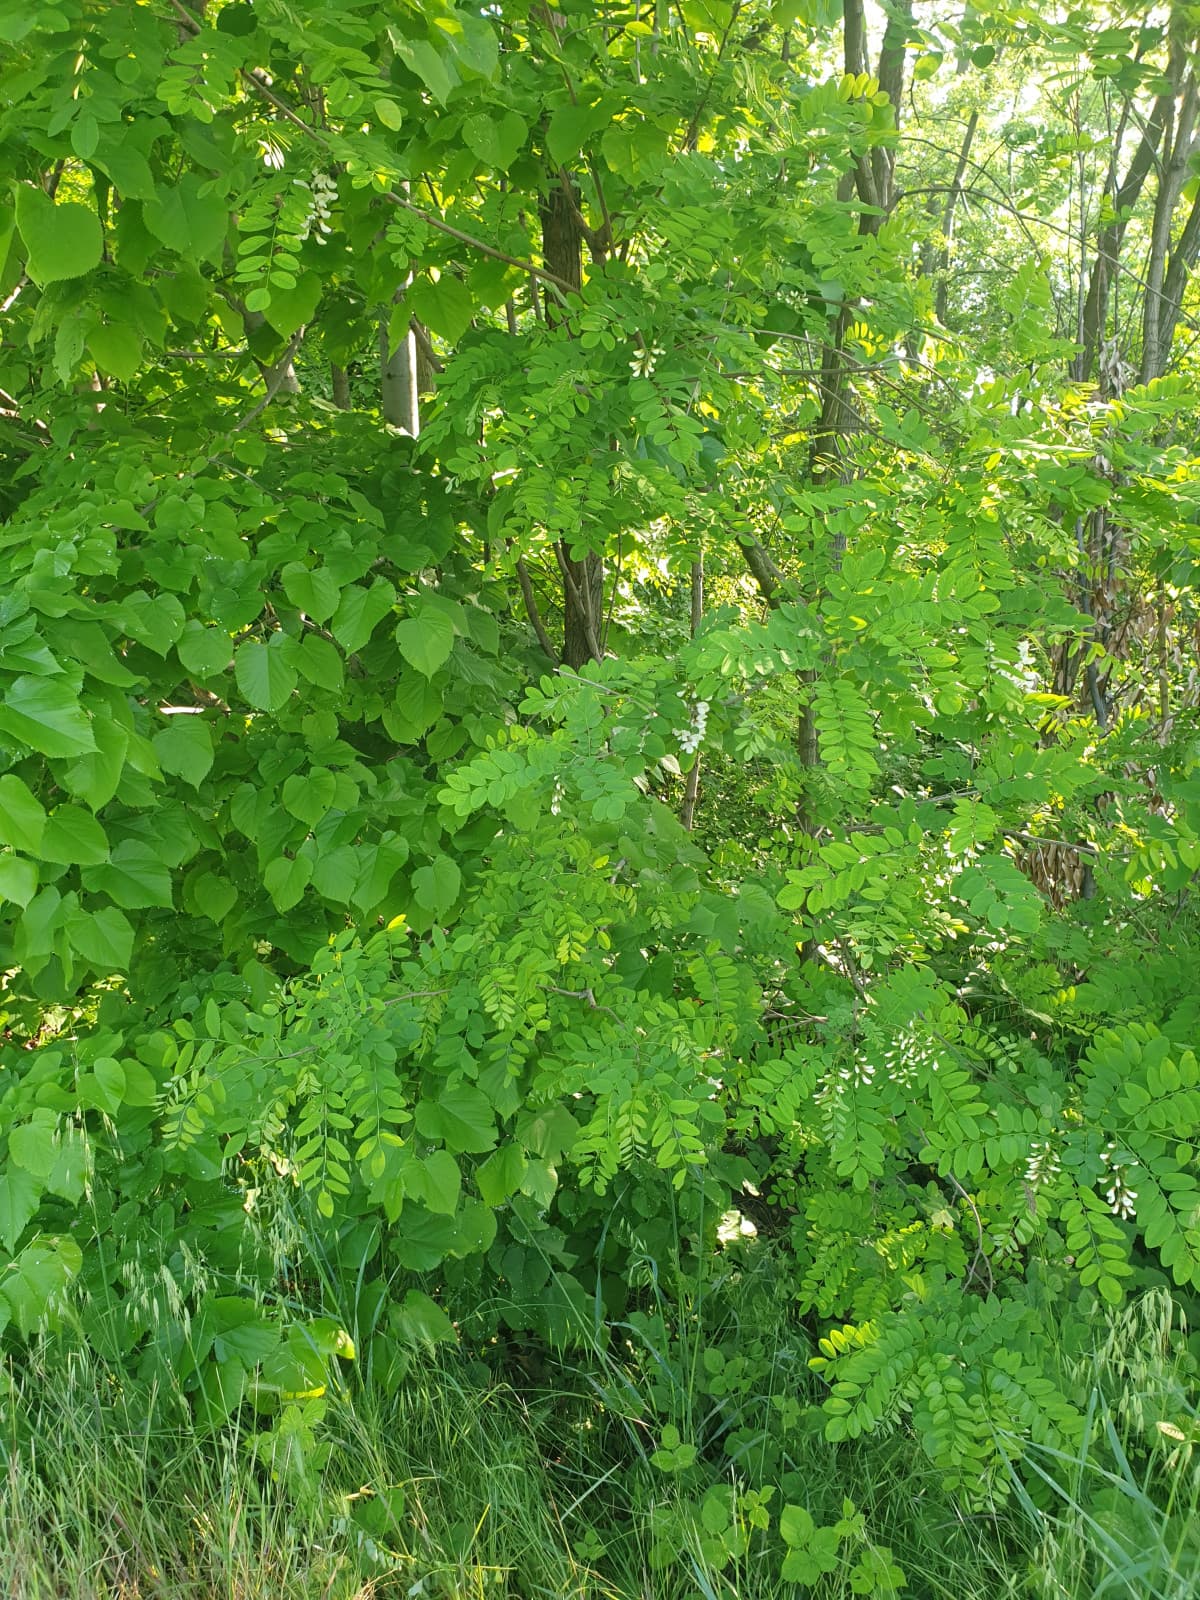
pixel 812 939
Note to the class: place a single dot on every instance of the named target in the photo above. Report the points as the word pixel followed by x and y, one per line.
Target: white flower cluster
pixel 860 1073
pixel 323 192
pixel 1119 1195
pixel 645 360
pixel 1043 1165
pixel 690 739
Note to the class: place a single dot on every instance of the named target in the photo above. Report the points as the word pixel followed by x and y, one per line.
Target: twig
pixel 274 383
pixel 586 995
pixel 532 611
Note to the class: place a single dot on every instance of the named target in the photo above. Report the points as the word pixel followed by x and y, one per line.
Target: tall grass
pixel 1120 1519
pixel 458 1486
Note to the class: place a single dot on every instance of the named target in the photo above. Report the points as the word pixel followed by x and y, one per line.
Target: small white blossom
pixel 323 192
pixel 1120 1197
pixel 690 739
pixel 1042 1166
pixel 645 361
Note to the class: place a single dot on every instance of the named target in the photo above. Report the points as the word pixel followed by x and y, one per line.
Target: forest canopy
pixel 598 740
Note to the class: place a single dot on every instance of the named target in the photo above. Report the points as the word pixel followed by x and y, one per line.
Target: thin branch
pixel 278 377
pixel 533 612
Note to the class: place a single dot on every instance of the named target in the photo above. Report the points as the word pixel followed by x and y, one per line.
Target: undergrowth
pixel 460 1483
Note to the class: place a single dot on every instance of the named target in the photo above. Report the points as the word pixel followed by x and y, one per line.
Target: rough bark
pixel 583 578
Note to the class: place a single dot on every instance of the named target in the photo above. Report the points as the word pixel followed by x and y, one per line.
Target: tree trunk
pixel 583 579
pixel 398 376
pixel 873 181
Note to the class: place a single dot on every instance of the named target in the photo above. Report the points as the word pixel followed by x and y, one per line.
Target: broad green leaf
pixel 419 1320
pixel 89 643
pixel 116 349
pixel 496 140
pixel 422 59
pixel 240 1330
pixel 436 886
pixel 187 219
pixel 45 715
pixel 104 1086
pixel 40 923
pixel 286 879
pixel 423 1239
pixel 378 865
pixel 125 162
pixel 263 676
pixel 96 776
pixel 185 748
pixel 474 42
pixel 425 641
pixel 446 306
pixel 635 151
pixel 292 308
pixel 133 876
pixel 204 651
pixel 416 707
pixel 573 126
pixel 35 1280
pixel 500 1175
pixel 213 895
pixel 22 815
pixel 20 1193
pixel 462 1119
pixel 796 1525
pixel 440 1182
pixel 336 872
pixel 74 837
pixel 360 611
pixel 69 1169
pixel 18 878
pixel 309 795
pixel 33 1145
pixel 102 937
pixel 153 620
pixel 61 241
pixel 312 590
pixel 319 663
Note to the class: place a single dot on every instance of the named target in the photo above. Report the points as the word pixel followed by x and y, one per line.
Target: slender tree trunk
pixel 1112 236
pixel 1183 260
pixel 873 181
pixel 1156 348
pixel 583 578
pixel 398 376
pixel 942 269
